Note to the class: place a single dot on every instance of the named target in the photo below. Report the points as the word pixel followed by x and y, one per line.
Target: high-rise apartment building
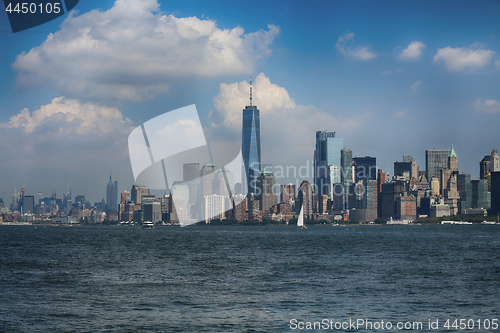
pixel 327 154
pixel 251 144
pixel 305 199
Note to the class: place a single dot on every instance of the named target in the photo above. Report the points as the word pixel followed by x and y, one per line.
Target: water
pixel 244 279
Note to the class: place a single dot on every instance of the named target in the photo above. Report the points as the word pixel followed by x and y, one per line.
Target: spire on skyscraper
pixel 452 153
pixel 250 91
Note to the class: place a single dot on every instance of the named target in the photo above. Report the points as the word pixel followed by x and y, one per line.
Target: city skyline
pixel 388 83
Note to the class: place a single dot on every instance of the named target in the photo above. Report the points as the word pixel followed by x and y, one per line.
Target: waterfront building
pixel 305 199
pixel 406 208
pixel 215 207
pixel 495 193
pixel 152 211
pixel 477 195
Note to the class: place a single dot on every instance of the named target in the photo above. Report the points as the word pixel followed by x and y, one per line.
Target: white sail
pixel 300 221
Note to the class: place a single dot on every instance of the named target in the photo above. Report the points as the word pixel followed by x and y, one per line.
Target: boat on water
pixel 148 225
pixel 300 221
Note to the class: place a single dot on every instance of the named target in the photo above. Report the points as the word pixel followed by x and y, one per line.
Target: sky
pixel 390 77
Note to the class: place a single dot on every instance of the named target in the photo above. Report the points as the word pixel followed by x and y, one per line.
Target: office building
pixel 495 193
pixel 207 179
pixel 137 192
pixel 327 153
pixel 477 195
pixel 346 170
pixel 28 205
pixel 251 143
pixel 365 168
pixel 266 190
pixel 151 211
pixel 489 163
pixel 435 160
pixel 110 196
pixel 190 172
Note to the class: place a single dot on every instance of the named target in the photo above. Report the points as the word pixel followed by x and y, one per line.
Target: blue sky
pixel 390 77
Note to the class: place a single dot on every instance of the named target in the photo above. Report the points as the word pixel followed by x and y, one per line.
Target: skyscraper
pixel 267 195
pixel 110 195
pixel 495 193
pixel 305 199
pixel 346 166
pixel 251 143
pixel 191 171
pixel 327 153
pixel 490 163
pixel 137 192
pixel 365 168
pixel 435 160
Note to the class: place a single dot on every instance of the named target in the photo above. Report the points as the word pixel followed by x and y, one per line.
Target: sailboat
pixel 300 221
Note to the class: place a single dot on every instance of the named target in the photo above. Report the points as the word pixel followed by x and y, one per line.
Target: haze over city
pixel 390 78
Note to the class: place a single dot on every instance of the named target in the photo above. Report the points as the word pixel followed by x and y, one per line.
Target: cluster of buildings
pixel 343 187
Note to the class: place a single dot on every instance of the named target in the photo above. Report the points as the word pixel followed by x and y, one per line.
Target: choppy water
pixel 244 279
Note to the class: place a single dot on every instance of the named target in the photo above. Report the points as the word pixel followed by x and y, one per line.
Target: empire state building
pixel 251 143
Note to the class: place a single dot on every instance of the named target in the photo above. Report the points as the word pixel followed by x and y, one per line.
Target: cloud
pixel 413 51
pixel 487 106
pixel 70 117
pixel 133 52
pixel 362 53
pixel 457 59
pixel 287 128
pixel 400 114
pixel 414 86
pixel 64 138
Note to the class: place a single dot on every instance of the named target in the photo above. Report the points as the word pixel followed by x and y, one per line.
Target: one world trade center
pixel 251 144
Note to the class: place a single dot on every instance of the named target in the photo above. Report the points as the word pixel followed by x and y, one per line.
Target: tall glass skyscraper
pixel 251 144
pixel 327 154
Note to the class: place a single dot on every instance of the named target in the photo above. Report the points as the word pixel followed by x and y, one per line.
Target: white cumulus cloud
pixel 362 53
pixel 65 142
pixel 413 51
pixel 71 117
pixel 132 51
pixel 487 106
pixel 287 128
pixel 459 58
